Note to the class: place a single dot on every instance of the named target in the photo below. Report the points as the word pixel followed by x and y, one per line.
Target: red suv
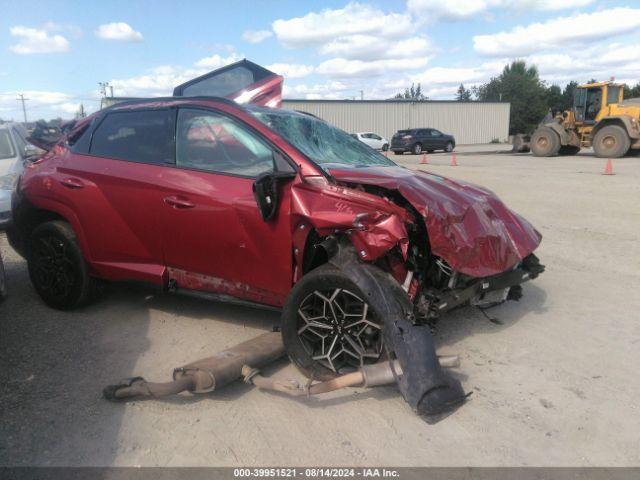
pixel 265 206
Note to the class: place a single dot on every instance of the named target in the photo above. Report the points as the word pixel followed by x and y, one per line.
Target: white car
pixel 373 140
pixel 14 151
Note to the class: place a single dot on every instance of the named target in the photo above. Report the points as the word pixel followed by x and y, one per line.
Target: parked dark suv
pixel 418 140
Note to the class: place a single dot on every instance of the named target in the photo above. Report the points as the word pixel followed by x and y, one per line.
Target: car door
pixel 213 234
pixel 111 183
pixel 376 141
pixel 436 139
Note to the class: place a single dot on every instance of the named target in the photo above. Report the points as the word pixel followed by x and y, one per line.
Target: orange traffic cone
pixel 608 169
pixel 454 160
pixel 424 160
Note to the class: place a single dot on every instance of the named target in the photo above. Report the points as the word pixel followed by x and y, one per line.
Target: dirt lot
pixel 556 384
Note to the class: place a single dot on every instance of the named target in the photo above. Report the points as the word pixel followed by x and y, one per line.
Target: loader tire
pixel 611 142
pixel 545 142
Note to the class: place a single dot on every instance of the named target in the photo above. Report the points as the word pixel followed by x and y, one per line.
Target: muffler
pixel 206 375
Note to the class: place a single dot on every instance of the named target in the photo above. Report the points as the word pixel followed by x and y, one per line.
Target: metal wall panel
pixel 469 122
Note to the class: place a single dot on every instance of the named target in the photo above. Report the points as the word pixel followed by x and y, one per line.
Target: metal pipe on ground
pixel 204 375
pixel 377 374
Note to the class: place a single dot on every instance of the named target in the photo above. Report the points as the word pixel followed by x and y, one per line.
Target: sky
pixel 56 52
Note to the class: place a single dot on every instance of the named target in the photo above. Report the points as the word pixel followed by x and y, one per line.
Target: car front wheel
pixel 57 268
pixel 385 147
pixel 448 147
pixel 417 149
pixel 328 329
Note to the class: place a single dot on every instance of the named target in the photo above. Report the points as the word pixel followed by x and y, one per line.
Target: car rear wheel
pixel 385 147
pixel 545 142
pixel 328 329
pixel 57 268
pixel 417 149
pixel 611 142
pixel 448 147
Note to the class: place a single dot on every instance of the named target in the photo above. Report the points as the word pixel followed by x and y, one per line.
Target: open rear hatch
pixel 243 82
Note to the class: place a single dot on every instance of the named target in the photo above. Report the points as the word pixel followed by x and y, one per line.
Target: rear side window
pixel 142 136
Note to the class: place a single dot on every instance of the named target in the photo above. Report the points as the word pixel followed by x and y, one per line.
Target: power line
pixel 24 108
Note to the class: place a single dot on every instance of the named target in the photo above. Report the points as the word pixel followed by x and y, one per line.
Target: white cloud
pixel 334 90
pixel 256 36
pixel 33 40
pixel 161 80
pixel 314 29
pixel 118 31
pixel 559 33
pixel 343 68
pixel 371 47
pixel 291 70
pixel 463 9
pixel 217 61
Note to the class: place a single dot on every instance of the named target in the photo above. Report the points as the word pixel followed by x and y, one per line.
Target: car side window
pixel 375 137
pixel 140 136
pixel 436 133
pixel 215 143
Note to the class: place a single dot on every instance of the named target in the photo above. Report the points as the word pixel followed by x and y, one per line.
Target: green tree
pixel 520 85
pixel 464 94
pixel 567 95
pixel 632 92
pixel 412 93
pixel 555 100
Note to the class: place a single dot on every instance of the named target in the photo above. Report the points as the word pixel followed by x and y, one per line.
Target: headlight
pixel 8 182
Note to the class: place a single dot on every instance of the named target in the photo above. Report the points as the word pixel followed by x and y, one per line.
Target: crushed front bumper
pixel 509 281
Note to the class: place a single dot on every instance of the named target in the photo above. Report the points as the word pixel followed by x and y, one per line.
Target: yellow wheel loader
pixel 600 118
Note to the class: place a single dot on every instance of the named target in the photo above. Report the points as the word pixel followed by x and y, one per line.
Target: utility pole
pixel 361 94
pixel 24 108
pixel 111 88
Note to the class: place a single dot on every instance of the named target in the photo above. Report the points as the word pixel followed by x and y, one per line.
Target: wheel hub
pixel 338 330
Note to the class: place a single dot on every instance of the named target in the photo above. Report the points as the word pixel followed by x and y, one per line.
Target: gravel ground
pixel 555 384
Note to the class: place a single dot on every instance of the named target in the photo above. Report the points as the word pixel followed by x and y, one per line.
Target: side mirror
pixel 30 151
pixel 265 187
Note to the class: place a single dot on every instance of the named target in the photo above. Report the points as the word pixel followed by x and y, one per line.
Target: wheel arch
pixel 630 125
pixel 27 216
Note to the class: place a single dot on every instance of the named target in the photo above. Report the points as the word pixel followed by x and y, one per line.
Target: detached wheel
pixel 417 149
pixel 611 142
pixel 57 268
pixel 327 327
pixel 545 142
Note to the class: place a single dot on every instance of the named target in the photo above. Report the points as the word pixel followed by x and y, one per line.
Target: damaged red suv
pixel 244 203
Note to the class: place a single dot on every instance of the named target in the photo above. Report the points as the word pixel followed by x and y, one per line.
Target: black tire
pixel 417 149
pixel 385 147
pixel 448 147
pixel 545 142
pixel 298 345
pixel 611 141
pixel 569 150
pixel 57 268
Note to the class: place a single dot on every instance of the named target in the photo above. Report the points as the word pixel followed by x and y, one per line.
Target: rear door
pixel 214 236
pixel 243 82
pixel 112 183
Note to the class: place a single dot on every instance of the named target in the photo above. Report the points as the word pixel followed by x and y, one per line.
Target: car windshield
pixel 326 145
pixel 6 145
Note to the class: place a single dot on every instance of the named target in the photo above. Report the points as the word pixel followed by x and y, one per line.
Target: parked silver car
pixel 14 152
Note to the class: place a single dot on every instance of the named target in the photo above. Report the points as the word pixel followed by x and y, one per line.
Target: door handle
pixel 177 202
pixel 72 183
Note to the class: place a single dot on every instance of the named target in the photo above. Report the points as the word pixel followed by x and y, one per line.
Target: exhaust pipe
pixel 374 375
pixel 204 375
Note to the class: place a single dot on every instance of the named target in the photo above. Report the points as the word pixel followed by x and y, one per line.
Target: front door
pixel 213 234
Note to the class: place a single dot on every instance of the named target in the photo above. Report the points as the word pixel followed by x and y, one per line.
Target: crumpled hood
pixel 468 226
